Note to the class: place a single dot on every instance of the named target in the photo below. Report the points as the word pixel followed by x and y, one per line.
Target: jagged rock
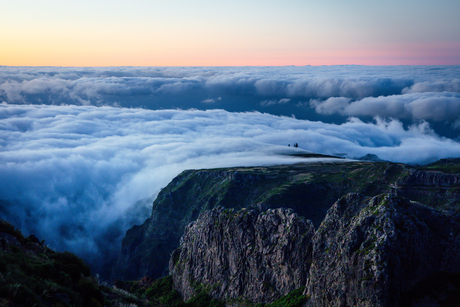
pixel 310 189
pixel 245 254
pixel 423 178
pixel 371 251
pixel 368 251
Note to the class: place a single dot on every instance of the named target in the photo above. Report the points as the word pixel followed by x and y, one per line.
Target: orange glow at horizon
pixel 163 58
pixel 206 33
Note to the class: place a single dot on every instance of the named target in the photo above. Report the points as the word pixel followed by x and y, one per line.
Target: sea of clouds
pixel 83 151
pixel 315 93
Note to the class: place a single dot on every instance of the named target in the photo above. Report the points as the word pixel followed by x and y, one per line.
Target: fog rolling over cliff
pixel 79 147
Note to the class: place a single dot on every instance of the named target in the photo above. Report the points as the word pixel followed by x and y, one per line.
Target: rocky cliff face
pixel 371 251
pixel 309 189
pixel 432 187
pixel 368 251
pixel 424 178
pixel 245 255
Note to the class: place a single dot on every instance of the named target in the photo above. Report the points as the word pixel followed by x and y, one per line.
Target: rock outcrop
pixel 246 254
pixel 427 179
pixel 371 251
pixel 309 189
pixel 368 251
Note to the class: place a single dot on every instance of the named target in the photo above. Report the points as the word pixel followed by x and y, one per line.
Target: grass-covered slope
pixel 160 293
pixel 31 274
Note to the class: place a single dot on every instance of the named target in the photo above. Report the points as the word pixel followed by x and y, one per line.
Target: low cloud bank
pixel 79 147
pixel 329 94
pixel 277 90
pixel 73 174
pixel 437 107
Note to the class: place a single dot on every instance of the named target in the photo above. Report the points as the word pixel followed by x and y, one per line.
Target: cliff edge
pixel 368 251
pixel 243 255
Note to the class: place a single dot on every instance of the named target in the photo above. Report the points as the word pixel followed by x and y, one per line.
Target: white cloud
pixel 330 106
pixel 266 103
pixel 438 107
pixel 211 100
pixel 434 86
pixel 92 84
pixel 73 173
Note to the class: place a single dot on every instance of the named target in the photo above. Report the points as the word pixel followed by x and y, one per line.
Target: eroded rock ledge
pixel 368 251
pixel 246 254
pixel 371 251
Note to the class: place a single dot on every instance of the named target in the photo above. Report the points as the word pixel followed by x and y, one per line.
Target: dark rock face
pixel 423 178
pixel 243 254
pixel 370 251
pixel 309 189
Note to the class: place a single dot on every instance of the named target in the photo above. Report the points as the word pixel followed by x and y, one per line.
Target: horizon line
pixel 216 66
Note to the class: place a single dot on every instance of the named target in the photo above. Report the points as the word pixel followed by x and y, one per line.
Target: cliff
pixel 368 251
pixel 309 189
pixel 243 255
pixel 378 251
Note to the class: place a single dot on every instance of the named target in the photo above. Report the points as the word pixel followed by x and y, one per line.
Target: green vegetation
pixel 295 298
pixel 203 299
pixel 448 166
pixel 33 275
pixel 160 292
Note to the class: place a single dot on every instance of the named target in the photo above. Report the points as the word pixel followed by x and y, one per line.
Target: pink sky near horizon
pixel 244 33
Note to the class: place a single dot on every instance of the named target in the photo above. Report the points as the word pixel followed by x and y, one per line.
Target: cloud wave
pixel 74 174
pixel 80 147
pixel 98 85
pixel 408 93
pixel 438 107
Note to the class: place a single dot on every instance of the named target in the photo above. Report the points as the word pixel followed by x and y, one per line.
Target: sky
pixel 235 33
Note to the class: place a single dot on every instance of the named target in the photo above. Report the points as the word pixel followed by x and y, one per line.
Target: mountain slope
pixel 309 189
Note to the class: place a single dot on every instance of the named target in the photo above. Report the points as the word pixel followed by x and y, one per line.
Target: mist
pixel 84 151
pixel 304 92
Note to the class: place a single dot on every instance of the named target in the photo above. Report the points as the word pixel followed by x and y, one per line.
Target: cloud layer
pixel 80 147
pixel 73 174
pixel 326 93
pixel 438 107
